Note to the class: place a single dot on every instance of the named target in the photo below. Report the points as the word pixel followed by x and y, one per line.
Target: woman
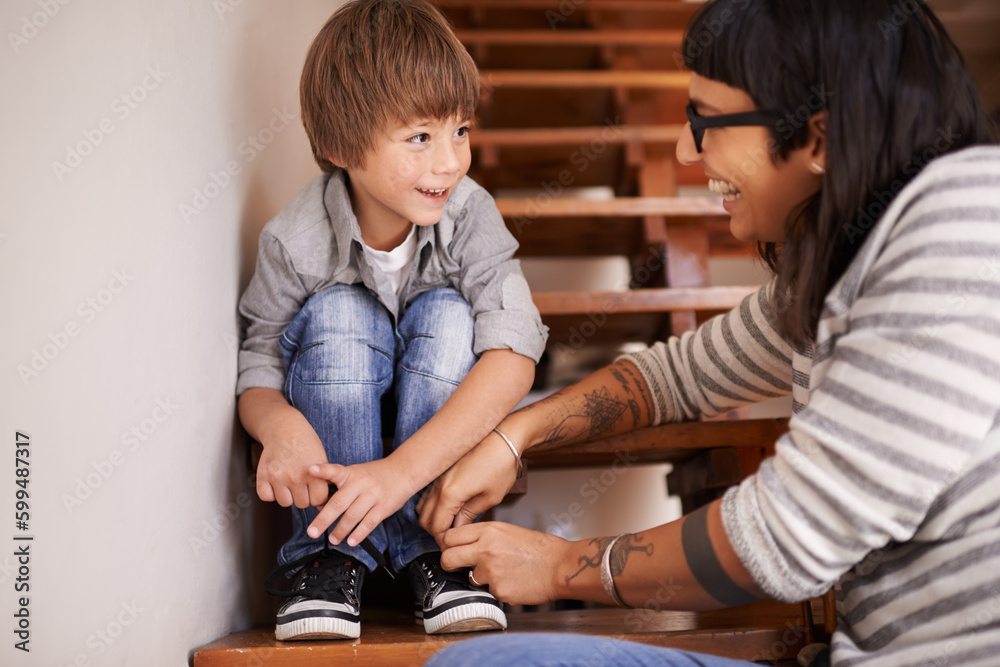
pixel 848 141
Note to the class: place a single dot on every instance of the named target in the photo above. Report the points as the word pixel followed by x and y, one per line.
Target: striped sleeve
pixel 732 360
pixel 905 397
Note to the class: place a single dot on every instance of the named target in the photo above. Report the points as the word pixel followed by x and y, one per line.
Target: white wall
pixel 125 304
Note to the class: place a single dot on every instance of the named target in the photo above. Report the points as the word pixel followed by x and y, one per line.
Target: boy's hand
pixel 283 471
pixel 477 482
pixel 366 494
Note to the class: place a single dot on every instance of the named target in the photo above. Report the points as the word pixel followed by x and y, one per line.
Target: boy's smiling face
pixel 408 178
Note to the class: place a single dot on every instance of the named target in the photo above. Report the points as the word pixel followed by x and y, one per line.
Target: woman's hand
pixel 477 482
pixel 366 494
pixel 520 566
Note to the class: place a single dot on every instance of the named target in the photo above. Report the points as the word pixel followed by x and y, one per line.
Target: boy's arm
pixel 290 447
pixel 369 492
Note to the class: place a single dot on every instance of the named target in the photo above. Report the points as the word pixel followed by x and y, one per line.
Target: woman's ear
pixel 816 143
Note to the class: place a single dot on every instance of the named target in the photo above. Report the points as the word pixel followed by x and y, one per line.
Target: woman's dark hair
pixel 896 94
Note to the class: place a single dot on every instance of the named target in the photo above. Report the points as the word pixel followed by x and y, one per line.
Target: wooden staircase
pixel 764 631
pixel 578 95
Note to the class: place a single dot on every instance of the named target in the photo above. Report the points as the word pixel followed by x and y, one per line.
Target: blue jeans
pixel 342 355
pixel 568 650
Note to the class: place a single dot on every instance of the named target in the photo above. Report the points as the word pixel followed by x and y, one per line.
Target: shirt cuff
pixel 261 374
pixel 510 330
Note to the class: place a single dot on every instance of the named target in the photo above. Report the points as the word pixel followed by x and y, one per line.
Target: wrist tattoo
pixel 705 565
pixel 625 545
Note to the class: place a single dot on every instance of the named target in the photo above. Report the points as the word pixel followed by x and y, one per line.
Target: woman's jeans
pixel 342 355
pixel 568 650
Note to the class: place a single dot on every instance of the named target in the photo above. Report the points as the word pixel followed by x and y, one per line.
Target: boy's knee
pixel 342 311
pixel 442 314
pixel 445 354
pixel 336 300
pixel 341 360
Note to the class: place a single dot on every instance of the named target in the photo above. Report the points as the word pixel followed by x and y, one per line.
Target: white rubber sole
pixel 474 617
pixel 317 619
pixel 317 628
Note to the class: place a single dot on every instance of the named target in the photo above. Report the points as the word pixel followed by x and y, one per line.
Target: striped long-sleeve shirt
pixel 887 485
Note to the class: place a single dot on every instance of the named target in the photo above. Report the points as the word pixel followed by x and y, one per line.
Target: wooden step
pixel 551 226
pixel 670 6
pixel 599 79
pixel 762 631
pixel 603 237
pixel 543 206
pixel 580 156
pixel 667 299
pixel 555 38
pixel 577 319
pixel 667 443
pixel 574 136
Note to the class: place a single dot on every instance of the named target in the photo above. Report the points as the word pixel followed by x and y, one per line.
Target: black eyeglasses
pixel 701 123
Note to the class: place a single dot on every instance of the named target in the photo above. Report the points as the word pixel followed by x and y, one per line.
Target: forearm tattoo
pixel 705 565
pixel 640 387
pixel 598 412
pixel 632 403
pixel 619 554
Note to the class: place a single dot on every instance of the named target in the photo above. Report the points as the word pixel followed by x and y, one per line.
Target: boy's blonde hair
pixel 377 63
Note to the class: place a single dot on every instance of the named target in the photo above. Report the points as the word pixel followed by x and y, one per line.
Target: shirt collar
pixel 342 219
pixel 345 224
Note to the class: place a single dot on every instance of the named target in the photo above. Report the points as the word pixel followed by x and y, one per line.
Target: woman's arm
pixel 610 401
pixel 734 359
pixel 686 564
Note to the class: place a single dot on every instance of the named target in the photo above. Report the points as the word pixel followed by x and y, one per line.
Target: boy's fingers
pixel 264 491
pixel 319 492
pixel 351 517
pixel 300 496
pixel 364 529
pixel 337 503
pixel 282 495
pixel 331 472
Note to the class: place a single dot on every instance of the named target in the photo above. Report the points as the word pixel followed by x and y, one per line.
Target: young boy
pixel 386 287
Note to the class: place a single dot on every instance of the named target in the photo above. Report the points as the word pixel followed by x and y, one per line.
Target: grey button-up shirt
pixel 315 242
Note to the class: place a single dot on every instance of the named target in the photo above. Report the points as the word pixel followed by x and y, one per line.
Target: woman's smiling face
pixel 759 188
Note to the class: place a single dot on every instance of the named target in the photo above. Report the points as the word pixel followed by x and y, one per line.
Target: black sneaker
pixel 447 602
pixel 325 598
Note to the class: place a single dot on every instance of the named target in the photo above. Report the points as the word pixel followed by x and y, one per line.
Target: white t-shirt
pixel 396 263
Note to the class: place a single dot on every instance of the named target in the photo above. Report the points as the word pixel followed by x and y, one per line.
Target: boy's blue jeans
pixel 342 354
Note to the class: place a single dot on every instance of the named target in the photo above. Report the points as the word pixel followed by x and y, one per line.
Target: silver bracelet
pixel 607 580
pixel 517 457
